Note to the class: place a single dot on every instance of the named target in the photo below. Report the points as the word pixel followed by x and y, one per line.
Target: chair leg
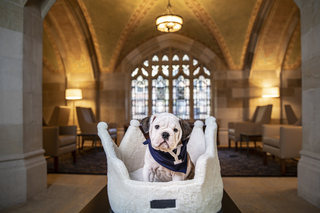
pixel 55 164
pixel 283 166
pixel 82 144
pixel 236 143
pixel 229 144
pixel 264 158
pixel 74 155
pixel 255 144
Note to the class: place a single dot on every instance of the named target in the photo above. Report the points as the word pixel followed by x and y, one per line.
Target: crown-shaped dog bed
pixel 128 193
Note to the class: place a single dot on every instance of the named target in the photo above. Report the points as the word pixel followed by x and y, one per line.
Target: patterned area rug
pixel 233 164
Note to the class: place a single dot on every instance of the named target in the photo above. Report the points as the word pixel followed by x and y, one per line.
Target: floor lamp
pixel 270 92
pixel 73 94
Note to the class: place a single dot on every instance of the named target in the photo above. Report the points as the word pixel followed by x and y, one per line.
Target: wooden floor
pixel 70 193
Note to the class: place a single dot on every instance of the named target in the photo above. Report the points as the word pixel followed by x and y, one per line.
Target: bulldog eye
pixel 156 126
pixel 175 130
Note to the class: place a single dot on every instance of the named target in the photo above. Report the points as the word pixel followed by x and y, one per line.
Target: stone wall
pixel 238 93
pixel 22 165
pixel 309 164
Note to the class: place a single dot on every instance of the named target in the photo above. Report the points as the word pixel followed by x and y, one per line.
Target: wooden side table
pixel 249 137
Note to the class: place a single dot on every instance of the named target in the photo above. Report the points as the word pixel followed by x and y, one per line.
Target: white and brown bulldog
pixel 166 157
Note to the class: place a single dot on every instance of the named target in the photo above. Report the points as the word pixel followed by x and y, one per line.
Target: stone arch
pixel 200 51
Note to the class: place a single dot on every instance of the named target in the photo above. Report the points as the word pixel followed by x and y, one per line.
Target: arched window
pixel 171 81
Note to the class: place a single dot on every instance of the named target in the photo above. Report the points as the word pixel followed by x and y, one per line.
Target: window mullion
pixel 191 92
pixel 170 82
pixel 149 87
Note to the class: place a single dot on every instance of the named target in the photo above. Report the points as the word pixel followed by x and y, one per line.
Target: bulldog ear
pixel 186 129
pixel 145 122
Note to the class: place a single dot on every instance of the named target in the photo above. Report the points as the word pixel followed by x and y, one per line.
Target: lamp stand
pixel 73 111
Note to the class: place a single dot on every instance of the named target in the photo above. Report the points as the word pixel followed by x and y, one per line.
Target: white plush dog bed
pixel 128 193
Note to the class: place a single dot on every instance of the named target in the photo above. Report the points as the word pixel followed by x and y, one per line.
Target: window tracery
pixel 171 81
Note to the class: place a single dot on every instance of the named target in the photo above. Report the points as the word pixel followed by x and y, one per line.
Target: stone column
pixel 22 164
pixel 309 164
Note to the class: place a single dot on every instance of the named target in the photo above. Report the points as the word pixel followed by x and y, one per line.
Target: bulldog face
pixel 165 131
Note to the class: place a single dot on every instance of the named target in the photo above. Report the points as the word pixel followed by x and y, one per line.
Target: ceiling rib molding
pixel 214 31
pixel 292 32
pixel 83 27
pixel 264 10
pixel 55 40
pixel 133 22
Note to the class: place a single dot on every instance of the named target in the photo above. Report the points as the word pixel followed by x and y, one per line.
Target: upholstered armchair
pixel 60 116
pixel 60 138
pixel 262 115
pixel 291 117
pixel 283 141
pixel 88 125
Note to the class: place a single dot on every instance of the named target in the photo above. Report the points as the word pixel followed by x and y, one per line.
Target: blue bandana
pixel 178 163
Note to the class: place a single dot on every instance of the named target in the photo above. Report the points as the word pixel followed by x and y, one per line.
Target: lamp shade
pixel 169 23
pixel 73 94
pixel 270 92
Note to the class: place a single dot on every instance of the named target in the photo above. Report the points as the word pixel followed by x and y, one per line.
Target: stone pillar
pixel 309 164
pixel 22 164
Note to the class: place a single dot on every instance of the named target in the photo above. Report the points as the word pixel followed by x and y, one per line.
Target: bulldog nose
pixel 165 135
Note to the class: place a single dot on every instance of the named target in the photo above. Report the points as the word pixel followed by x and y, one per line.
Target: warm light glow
pixel 73 94
pixel 169 22
pixel 270 92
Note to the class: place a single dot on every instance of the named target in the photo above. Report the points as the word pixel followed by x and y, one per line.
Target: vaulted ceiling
pixel 90 36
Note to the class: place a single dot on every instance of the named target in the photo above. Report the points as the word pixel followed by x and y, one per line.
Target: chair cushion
pixel 67 139
pixel 260 114
pixel 231 131
pixel 112 131
pixel 273 140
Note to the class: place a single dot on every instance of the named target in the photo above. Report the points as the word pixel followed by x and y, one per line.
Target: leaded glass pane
pixel 175 70
pixel 146 63
pixel 160 95
pixel 185 69
pixel 195 62
pixel 181 97
pixel 134 72
pixel 165 69
pixel 201 97
pixel 155 70
pixel 196 71
pixel 185 58
pixel 155 58
pixel 144 72
pixel 165 58
pixel 206 71
pixel 139 98
pixel 175 58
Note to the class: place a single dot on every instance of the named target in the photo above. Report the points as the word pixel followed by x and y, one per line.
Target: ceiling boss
pixel 169 22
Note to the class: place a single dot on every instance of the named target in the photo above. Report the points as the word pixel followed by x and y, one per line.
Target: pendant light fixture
pixel 169 22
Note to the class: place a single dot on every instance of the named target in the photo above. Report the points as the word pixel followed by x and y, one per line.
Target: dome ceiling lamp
pixel 169 22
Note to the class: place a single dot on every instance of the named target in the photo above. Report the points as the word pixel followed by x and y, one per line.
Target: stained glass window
pixel 185 69
pixel 144 72
pixel 175 69
pixel 139 97
pixel 165 58
pixel 160 95
pixel 185 58
pixel 165 69
pixel 155 69
pixel 175 58
pixel 176 81
pixel 201 97
pixel 181 97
